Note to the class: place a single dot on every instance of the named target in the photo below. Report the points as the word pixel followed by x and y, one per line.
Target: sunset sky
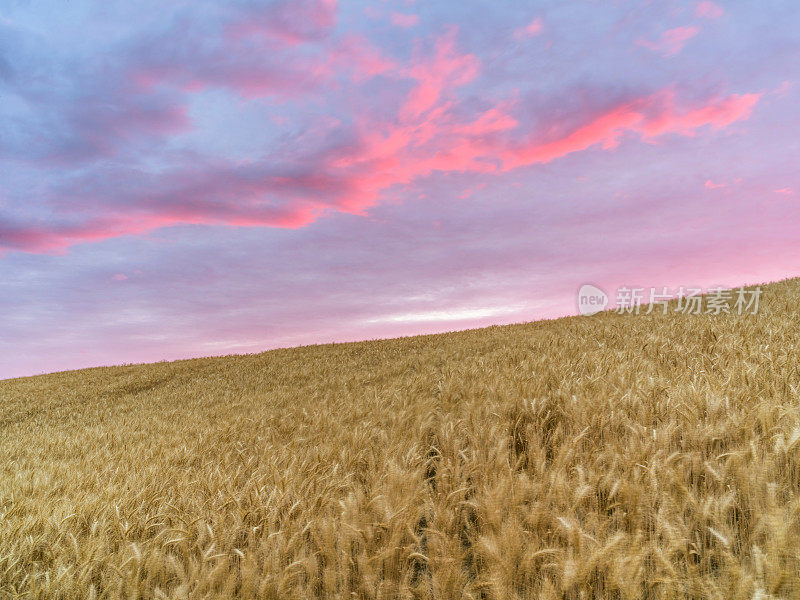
pixel 193 178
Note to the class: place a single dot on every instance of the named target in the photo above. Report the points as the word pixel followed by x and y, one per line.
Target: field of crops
pixel 612 456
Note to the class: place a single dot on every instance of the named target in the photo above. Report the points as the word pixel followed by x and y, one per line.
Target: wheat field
pixel 612 456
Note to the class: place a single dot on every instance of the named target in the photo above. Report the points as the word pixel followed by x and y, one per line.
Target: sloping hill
pixel 650 456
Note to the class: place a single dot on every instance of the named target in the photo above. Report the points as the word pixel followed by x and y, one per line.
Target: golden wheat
pixel 609 456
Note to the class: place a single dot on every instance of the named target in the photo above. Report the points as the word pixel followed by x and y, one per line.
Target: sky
pixel 193 178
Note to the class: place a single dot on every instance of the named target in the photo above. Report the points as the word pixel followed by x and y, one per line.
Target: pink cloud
pixel 708 10
pixel 468 192
pixel 404 20
pixel 713 186
pixel 429 133
pixel 257 55
pixel 719 113
pixel 783 88
pixel 670 42
pixel 119 277
pixel 448 68
pixel 647 117
pixel 533 28
pixel 605 130
pixel 787 191
pixel 55 238
pixel 492 120
pixel 351 179
pixel 288 21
